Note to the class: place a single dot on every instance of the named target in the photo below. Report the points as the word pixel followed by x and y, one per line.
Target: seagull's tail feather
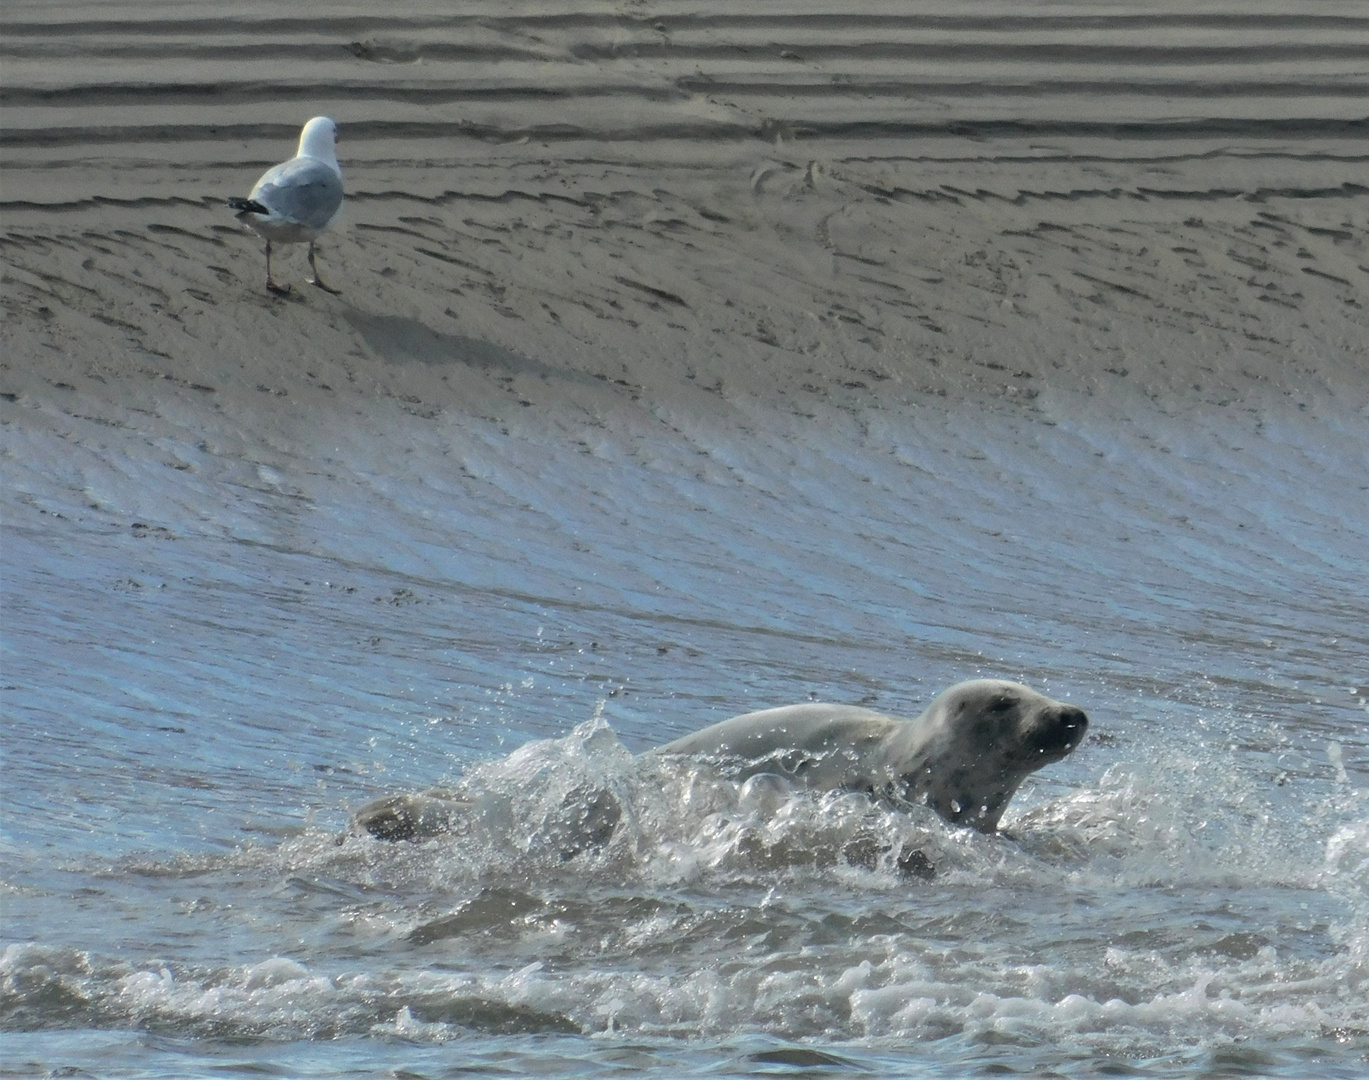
pixel 248 206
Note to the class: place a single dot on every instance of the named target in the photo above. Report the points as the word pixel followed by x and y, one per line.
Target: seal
pixel 965 757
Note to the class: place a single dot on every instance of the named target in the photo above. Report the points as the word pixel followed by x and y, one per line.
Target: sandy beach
pixel 857 208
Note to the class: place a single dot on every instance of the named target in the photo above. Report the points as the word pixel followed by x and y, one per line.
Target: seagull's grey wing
pixel 301 190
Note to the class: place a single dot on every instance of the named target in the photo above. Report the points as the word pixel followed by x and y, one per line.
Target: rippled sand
pixel 803 204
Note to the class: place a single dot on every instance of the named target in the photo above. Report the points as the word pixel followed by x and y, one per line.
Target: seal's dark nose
pixel 1059 731
pixel 1073 724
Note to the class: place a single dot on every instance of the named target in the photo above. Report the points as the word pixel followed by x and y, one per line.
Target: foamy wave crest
pixel 1346 873
pixel 1164 826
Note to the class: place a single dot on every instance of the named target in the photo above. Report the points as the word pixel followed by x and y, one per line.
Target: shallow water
pixel 239 602
pixel 1185 893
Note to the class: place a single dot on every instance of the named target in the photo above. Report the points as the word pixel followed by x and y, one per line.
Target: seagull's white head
pixel 318 140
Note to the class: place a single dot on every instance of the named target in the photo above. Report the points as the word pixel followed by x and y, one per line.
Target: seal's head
pixel 979 740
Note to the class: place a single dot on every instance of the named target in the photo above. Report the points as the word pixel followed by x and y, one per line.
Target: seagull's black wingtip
pixel 247 206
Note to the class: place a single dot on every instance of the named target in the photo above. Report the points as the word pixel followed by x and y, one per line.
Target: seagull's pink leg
pixel 271 284
pixel 316 280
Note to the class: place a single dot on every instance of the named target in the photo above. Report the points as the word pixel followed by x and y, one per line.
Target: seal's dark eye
pixel 1000 705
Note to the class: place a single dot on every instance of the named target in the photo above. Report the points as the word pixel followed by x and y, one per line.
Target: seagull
pixel 299 199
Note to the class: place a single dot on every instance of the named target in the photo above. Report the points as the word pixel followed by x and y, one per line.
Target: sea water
pixel 189 719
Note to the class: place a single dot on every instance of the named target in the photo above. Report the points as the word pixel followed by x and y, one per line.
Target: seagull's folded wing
pixel 302 191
